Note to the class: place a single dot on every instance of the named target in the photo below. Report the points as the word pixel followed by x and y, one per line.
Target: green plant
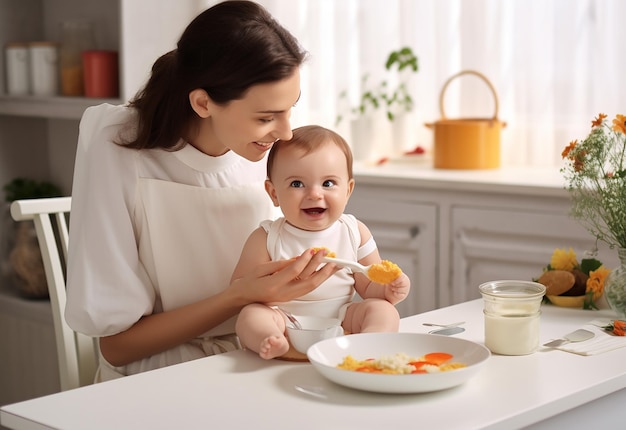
pixel 380 96
pixel 22 188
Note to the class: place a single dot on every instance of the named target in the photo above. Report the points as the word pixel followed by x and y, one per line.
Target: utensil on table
pixel 312 390
pixel 356 267
pixel 291 318
pixel 448 331
pixel 444 325
pixel 575 336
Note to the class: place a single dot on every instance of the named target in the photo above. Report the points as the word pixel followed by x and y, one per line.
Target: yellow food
pixel 330 253
pixel 384 272
pixel 402 364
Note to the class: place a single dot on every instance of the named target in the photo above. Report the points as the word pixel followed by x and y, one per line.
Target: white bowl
pixel 327 354
pixel 314 329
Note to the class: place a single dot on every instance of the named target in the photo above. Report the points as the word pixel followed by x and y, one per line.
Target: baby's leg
pixel 371 316
pixel 262 330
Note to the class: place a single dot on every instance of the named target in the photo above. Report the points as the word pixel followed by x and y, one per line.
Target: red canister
pixel 100 71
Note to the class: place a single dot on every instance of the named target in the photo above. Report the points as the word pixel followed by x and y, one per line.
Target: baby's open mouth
pixel 314 211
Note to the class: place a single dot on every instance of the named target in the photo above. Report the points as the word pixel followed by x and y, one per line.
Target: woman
pixel 167 189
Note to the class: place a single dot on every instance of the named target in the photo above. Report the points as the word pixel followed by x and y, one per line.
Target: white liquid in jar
pixel 512 335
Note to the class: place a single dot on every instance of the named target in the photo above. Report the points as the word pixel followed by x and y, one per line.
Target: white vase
pixel 404 133
pixel 370 137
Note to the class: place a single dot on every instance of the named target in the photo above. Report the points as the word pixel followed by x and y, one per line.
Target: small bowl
pixel 314 329
pixel 567 301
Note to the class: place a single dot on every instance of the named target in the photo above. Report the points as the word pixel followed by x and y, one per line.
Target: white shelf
pixel 49 107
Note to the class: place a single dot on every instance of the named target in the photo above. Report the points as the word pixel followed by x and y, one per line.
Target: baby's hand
pixel 398 289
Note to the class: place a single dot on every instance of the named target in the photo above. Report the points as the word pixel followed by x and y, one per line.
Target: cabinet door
pixel 491 244
pixel 405 233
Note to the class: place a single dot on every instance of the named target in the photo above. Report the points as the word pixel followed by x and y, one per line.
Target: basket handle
pixel 468 72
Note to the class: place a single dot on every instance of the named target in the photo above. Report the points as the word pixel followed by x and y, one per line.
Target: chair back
pixel 77 353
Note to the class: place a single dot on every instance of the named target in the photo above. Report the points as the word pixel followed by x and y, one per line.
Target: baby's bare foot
pixel 273 346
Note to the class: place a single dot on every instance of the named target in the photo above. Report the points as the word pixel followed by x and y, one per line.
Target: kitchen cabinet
pixel 492 244
pixel 38 134
pixel 463 228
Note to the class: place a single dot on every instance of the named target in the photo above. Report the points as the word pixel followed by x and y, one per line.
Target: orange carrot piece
pixel 619 327
pixel 438 357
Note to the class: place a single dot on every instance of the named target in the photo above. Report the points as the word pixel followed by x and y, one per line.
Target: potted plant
pixel 23 264
pixel 393 102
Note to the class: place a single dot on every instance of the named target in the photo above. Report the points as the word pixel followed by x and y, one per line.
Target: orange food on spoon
pixel 384 272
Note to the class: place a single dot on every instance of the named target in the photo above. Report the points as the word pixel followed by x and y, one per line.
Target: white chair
pixel 77 353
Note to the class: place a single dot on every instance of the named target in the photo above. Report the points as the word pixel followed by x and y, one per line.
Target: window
pixel 554 64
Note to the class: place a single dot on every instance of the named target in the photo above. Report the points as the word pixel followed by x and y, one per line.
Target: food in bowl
pixel 327 354
pixel 401 363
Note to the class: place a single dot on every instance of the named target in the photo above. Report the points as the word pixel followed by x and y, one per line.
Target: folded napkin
pixel 603 340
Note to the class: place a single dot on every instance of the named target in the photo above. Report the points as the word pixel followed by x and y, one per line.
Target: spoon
pixel 575 336
pixel 356 267
pixel 444 325
pixel 448 331
pixel 291 318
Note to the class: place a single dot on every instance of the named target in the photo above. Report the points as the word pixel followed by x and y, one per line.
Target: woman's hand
pixel 283 280
pixel 277 281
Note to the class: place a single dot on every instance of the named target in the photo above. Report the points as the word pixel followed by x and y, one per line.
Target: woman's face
pixel 311 189
pixel 249 126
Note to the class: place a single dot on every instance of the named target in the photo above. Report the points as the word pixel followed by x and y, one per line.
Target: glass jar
pixel 615 286
pixel 76 37
pixel 511 311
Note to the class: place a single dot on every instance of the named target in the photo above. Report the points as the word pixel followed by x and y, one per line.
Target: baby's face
pixel 311 189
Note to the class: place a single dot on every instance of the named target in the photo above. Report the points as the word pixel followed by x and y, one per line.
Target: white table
pixel 239 390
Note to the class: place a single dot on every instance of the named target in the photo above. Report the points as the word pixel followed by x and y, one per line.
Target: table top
pixel 240 389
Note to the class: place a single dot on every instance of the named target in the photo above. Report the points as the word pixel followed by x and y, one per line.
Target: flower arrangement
pixel 565 276
pixel 595 171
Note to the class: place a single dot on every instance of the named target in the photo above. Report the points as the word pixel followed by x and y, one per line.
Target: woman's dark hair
pixel 309 138
pixel 225 50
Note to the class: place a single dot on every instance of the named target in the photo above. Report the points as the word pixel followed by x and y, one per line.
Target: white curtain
pixel 554 64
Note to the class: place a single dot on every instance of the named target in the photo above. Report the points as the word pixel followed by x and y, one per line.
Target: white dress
pixel 332 297
pixel 152 230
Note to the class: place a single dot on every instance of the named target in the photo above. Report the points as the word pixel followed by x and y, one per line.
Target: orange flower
pixel 598 121
pixel 595 283
pixel 619 124
pixel 569 148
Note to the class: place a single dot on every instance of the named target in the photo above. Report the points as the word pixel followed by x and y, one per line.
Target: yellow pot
pixel 472 143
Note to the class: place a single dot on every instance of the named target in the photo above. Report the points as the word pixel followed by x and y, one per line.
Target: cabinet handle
pixel 414 231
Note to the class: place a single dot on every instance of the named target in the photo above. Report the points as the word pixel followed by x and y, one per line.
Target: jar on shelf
pixel 76 37
pixel 100 70
pixel 44 65
pixel 17 68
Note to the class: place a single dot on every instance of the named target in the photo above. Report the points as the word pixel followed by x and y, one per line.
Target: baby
pixel 310 179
